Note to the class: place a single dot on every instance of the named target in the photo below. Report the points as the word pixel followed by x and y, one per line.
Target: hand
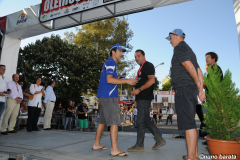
pixel 85 112
pixel 2 94
pixel 43 89
pixel 132 82
pixel 135 92
pixel 44 104
pixel 201 95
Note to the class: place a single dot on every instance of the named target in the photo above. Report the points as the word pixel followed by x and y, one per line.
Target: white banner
pixel 52 9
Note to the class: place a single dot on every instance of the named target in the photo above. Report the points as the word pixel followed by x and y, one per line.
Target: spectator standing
pixel 170 113
pixel 108 100
pixel 160 115
pixel 131 111
pixel 13 105
pixel 35 105
pixel 144 95
pixel 49 102
pixel 155 115
pixel 82 112
pixel 187 81
pixel 3 91
pixel 68 117
pixel 135 116
pixel 151 115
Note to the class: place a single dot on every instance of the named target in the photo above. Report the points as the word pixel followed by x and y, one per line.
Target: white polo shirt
pixel 37 99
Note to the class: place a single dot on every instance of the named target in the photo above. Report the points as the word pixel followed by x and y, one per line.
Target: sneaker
pixel 13 131
pixel 159 144
pixel 135 149
pixel 204 143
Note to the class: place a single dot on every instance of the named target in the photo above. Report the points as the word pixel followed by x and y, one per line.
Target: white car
pixel 164 111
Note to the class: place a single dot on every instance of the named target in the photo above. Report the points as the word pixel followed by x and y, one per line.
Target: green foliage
pixel 223 108
pixel 156 84
pixel 167 85
pixel 102 35
pixel 74 69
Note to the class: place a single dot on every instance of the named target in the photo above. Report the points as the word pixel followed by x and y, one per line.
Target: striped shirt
pixel 180 76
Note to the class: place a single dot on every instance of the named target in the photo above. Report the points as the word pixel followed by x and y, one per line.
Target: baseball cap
pixel 85 101
pixel 178 32
pixel 118 46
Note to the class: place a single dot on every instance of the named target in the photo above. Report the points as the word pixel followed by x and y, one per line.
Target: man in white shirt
pixel 170 114
pixel 3 89
pixel 49 102
pixel 13 105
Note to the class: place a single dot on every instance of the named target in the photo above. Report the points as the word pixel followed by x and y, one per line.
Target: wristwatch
pixel 140 89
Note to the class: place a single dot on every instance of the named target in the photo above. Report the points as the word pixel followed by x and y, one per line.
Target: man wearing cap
pixel 144 96
pixel 82 112
pixel 108 100
pixel 187 80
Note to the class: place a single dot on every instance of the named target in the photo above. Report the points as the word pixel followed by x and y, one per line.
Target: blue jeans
pixel 143 121
pixel 2 107
pixel 170 118
pixel 68 122
pixel 135 120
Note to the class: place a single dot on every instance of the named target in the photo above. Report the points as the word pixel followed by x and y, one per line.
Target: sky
pixel 209 25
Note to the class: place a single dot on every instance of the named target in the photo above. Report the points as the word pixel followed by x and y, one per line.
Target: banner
pixel 52 9
pixel 2 30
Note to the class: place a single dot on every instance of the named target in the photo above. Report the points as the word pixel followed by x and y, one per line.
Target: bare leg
pixel 191 139
pixel 114 135
pixel 99 132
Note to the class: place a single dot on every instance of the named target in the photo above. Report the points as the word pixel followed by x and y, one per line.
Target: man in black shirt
pixel 187 80
pixel 144 95
pixel 68 117
pixel 82 112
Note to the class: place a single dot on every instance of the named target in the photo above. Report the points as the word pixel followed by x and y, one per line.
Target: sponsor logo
pixel 22 18
pixel 66 11
pixel 55 14
pixel 75 9
pixel 44 17
pixel 85 3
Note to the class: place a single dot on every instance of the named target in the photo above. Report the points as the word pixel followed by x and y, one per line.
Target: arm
pixel 149 83
pixel 192 71
pixel 112 80
pixel 12 95
pixel 47 94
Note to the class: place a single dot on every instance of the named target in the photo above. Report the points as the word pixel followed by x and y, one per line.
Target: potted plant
pixel 223 115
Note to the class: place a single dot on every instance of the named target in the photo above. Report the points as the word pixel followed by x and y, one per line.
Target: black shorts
pixel 185 103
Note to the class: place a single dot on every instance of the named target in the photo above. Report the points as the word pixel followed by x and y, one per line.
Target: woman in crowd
pixel 34 105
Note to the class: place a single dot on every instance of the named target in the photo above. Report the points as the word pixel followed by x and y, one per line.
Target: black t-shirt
pixel 82 108
pixel 69 114
pixel 147 69
pixel 180 76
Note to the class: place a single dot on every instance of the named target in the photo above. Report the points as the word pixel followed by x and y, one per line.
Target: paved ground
pixel 71 145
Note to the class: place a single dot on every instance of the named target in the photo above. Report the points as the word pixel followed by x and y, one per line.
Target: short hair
pixel 37 78
pixel 114 49
pixel 50 83
pixel 13 75
pixel 213 55
pixel 1 65
pixel 142 52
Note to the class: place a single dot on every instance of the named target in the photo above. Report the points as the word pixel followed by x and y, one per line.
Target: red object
pixel 139 71
pixel 120 102
pixel 3 23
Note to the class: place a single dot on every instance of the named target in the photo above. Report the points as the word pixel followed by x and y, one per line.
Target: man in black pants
pixel 144 96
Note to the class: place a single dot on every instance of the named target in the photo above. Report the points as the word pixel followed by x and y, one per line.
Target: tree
pixel 167 86
pixel 72 67
pixel 102 35
pixel 156 84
